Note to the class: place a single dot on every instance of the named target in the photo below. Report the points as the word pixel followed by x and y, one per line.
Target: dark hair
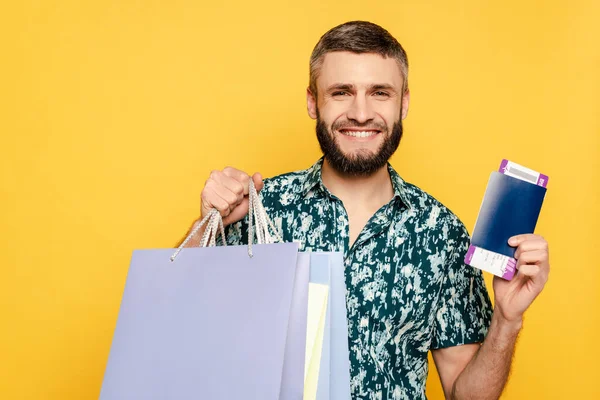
pixel 357 37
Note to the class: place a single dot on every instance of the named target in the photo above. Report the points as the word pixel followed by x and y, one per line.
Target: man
pixel 409 291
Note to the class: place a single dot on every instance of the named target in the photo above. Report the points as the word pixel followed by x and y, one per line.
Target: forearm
pixel 485 376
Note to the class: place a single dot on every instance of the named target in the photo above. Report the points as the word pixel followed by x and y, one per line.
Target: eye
pixel 339 93
pixel 381 94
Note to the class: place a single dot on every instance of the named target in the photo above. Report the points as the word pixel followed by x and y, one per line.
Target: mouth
pixel 359 133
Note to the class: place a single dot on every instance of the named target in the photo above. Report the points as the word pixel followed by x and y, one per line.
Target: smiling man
pixel 408 289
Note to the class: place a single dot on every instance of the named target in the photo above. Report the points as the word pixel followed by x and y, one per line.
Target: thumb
pixel 258 181
pixel 237 214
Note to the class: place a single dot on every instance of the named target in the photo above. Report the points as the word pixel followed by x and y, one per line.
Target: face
pixel 359 111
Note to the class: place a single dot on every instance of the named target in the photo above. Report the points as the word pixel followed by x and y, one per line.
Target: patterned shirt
pixel 408 289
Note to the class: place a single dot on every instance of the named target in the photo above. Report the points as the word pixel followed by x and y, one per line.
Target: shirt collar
pixel 401 190
pixel 314 179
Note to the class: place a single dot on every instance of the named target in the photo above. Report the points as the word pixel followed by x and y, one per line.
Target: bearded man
pixel 409 291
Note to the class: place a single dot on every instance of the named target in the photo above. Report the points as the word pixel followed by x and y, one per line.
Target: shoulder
pixel 291 181
pixel 283 189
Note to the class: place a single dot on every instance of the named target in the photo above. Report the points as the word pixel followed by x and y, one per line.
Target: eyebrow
pixel 372 88
pixel 340 86
pixel 382 86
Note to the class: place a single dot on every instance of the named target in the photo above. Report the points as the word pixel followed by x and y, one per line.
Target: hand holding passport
pixel 511 206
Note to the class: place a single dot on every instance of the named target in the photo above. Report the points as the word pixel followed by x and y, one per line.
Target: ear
pixel 311 104
pixel 405 102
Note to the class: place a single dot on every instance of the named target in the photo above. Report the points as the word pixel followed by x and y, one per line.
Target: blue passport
pixel 510 207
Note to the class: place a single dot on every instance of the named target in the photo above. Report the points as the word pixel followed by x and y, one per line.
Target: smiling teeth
pixel 363 134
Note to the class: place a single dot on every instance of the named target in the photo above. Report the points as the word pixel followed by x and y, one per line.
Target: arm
pixel 478 372
pixel 481 372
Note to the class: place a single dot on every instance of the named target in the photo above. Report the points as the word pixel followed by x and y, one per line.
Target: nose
pixel 360 110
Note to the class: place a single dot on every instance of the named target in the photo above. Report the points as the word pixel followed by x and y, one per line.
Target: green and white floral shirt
pixel 408 289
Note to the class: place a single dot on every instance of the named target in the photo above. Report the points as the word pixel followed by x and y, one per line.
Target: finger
pixel 534 273
pixel 258 181
pixel 530 270
pixel 531 245
pixel 533 257
pixel 516 240
pixel 211 200
pixel 228 196
pixel 534 266
pixel 238 213
pixel 240 176
pixel 234 186
pixel 218 196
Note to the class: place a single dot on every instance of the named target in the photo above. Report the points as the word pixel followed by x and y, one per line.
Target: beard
pixel 363 162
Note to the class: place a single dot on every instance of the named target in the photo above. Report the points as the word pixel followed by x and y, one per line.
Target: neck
pixel 376 188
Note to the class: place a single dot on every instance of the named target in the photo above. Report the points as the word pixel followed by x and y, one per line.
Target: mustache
pixel 351 124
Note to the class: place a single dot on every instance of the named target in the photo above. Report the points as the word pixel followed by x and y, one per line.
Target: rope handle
pixel 258 222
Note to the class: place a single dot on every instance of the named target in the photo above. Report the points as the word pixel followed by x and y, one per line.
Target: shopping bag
pixel 317 324
pixel 292 381
pixel 229 322
pixel 340 353
pixel 213 324
pixel 334 371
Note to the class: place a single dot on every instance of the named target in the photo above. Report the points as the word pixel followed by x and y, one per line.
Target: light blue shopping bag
pixel 334 372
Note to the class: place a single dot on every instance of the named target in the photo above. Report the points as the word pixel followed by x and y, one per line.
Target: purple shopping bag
pixel 213 324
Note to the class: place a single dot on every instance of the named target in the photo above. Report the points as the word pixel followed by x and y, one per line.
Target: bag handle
pixel 263 222
pixel 258 222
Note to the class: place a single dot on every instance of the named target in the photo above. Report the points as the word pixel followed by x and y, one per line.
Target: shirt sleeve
pixel 465 310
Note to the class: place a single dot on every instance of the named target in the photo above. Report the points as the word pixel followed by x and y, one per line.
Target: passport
pixel 511 206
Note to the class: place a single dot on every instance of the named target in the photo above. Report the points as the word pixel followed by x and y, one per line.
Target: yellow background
pixel 113 113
